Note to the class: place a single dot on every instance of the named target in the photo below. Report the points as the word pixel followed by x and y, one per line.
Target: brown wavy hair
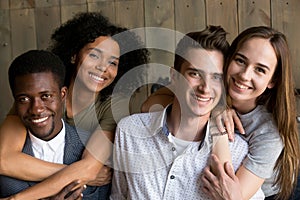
pixel 280 101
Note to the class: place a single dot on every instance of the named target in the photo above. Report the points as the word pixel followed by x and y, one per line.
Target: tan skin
pixel 100 58
pixel 249 74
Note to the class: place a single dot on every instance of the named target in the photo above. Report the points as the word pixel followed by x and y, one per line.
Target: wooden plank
pixel 67 12
pixel 6 57
pixel 4 4
pixel 23 30
pixel 72 2
pixel 254 13
pixel 21 4
pixel 107 8
pixel 47 3
pixel 159 13
pixel 285 18
pixel 189 15
pixel 130 13
pixel 223 13
pixel 51 15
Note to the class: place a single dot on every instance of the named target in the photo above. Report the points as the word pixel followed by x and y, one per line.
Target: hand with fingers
pixel 227 120
pixel 104 177
pixel 224 185
pixel 73 191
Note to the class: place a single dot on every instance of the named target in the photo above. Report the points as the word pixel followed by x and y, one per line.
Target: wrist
pixel 13 197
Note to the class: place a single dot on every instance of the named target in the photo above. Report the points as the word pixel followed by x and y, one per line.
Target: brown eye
pixel 46 96
pixel 240 61
pixel 261 70
pixel 23 99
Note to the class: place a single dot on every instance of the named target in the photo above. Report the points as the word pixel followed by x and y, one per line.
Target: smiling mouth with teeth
pixel 201 99
pixel 240 85
pixel 95 77
pixel 40 120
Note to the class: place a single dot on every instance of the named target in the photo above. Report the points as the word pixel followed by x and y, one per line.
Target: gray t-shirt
pixel 265 146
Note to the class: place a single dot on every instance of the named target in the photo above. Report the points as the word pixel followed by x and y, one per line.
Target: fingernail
pixel 84 186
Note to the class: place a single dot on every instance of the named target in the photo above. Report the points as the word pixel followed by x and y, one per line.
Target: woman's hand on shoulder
pixel 227 121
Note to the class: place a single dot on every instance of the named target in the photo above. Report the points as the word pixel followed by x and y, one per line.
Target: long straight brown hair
pixel 280 101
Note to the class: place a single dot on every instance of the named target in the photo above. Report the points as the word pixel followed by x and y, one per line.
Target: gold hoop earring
pixel 73 59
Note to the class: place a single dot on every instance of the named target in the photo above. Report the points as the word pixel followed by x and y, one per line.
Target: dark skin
pixel 73 191
pixel 39 103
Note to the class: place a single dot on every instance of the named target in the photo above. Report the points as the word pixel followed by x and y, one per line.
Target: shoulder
pixel 74 133
pixel 139 127
pixel 69 128
pixel 239 145
pixel 140 120
pixel 260 124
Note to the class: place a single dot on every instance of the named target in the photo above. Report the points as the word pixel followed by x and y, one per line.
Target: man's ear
pixel 64 92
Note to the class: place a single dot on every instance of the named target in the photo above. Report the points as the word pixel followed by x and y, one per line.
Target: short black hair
pixel 36 61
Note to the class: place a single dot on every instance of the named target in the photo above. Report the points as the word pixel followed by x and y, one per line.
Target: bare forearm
pixel 250 183
pixel 13 162
pixel 221 150
pixel 84 170
pixel 25 167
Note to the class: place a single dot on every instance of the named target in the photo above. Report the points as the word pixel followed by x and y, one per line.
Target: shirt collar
pixel 54 143
pixel 165 130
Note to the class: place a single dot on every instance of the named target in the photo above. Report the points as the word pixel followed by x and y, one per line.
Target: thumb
pixel 229 170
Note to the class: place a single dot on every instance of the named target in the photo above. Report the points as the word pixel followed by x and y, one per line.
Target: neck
pixel 184 126
pixel 244 107
pixel 79 98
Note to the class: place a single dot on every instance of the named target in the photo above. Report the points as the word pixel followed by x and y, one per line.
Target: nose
pixel 246 73
pixel 102 65
pixel 37 106
pixel 203 85
pixel 101 68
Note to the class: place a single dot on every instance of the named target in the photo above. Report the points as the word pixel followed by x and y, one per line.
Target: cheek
pixel 262 84
pixel 218 89
pixel 232 69
pixel 113 72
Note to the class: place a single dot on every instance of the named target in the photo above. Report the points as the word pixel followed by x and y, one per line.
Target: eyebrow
pixel 40 93
pixel 262 65
pixel 100 51
pixel 203 72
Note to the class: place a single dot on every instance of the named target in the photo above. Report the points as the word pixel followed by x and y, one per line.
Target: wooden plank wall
pixel 28 24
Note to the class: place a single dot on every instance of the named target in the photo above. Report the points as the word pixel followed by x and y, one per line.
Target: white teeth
pixel 201 99
pixel 240 85
pixel 39 120
pixel 97 78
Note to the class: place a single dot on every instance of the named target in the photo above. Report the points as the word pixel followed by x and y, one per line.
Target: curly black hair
pixel 133 54
pixel 68 39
